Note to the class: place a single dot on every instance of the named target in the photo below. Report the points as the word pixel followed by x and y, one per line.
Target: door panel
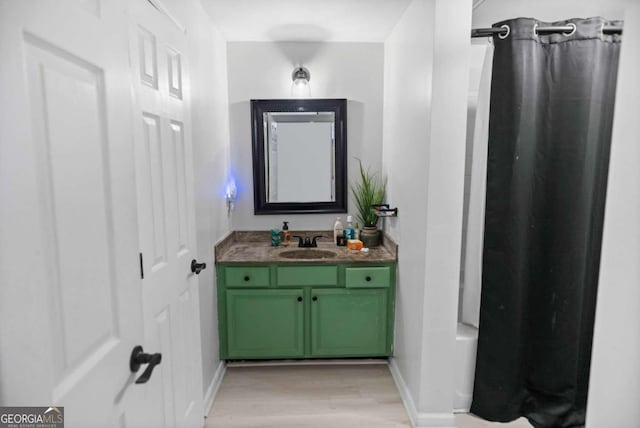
pixel 164 183
pixel 348 322
pixel 148 62
pixel 70 300
pixel 67 99
pixel 175 73
pixel 151 189
pixel 188 381
pixel 163 387
pixel 265 323
pixel 180 177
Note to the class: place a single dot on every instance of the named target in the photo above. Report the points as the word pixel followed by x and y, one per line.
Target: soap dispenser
pixel 286 234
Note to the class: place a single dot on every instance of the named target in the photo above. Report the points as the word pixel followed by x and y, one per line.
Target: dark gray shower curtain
pixel 551 115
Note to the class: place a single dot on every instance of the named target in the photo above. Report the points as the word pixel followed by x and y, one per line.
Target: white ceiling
pixel 306 20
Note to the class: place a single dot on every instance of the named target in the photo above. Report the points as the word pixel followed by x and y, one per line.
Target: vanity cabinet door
pixel 265 323
pixel 349 323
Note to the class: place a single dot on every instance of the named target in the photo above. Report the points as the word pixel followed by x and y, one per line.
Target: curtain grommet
pixel 500 34
pixel 535 30
pixel 573 29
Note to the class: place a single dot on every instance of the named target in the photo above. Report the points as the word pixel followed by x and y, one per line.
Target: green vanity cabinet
pixel 247 276
pixel 265 323
pixel 347 322
pixel 272 311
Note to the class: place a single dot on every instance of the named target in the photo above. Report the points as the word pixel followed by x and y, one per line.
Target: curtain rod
pixel 488 32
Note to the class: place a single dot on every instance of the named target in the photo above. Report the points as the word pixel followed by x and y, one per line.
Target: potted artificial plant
pixel 367 192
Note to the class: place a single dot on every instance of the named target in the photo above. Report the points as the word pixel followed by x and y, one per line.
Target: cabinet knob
pixel 314 298
pixel 299 298
pixel 247 278
pixel 368 278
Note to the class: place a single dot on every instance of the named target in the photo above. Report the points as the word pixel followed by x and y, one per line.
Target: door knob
pixel 197 267
pixel 138 357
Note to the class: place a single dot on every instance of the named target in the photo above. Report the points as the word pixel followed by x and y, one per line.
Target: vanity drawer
pixel 307 275
pixel 246 276
pixel 368 277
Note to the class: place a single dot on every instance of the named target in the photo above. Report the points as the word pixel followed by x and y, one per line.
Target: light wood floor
pixel 336 396
pixel 472 421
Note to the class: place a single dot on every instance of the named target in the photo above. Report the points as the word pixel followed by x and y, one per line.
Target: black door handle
pixel 197 267
pixel 138 357
pixel 314 298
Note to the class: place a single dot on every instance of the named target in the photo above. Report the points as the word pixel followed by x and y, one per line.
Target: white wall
pixel 210 118
pixel 614 388
pixel 492 11
pixel 424 157
pixel 262 70
pixel 210 121
pixel 445 201
pixel 407 108
pixel 477 56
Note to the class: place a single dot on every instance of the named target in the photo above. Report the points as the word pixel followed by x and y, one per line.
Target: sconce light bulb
pixel 300 75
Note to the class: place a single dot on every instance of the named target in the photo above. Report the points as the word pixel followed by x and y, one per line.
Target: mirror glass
pixel 299 156
pixel 300 161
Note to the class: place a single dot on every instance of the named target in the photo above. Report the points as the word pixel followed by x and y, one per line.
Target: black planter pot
pixel 370 236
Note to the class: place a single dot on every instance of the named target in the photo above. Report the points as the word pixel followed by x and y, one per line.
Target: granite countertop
pixel 255 247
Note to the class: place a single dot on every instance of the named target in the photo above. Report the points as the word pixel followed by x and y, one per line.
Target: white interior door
pixel 166 212
pixel 70 304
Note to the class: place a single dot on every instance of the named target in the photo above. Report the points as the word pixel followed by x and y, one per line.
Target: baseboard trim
pixel 405 395
pixel 310 362
pixel 418 420
pixel 214 387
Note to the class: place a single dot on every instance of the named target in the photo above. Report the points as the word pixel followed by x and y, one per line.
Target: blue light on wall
pixel 230 193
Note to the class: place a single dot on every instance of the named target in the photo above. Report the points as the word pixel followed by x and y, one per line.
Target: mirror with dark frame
pixel 299 156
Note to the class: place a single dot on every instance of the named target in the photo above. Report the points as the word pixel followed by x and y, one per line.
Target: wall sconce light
pixel 300 86
pixel 230 195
